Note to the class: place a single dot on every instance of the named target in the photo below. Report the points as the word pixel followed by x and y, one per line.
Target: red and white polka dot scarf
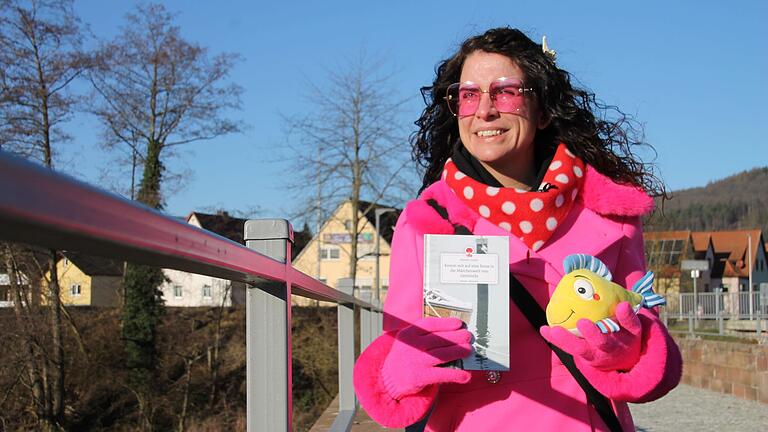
pixel 530 215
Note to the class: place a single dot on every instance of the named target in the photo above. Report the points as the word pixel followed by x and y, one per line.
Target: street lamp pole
pixel 378 212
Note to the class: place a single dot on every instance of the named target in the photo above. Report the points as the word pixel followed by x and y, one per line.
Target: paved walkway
pixel 688 409
pixel 685 409
pixel 362 422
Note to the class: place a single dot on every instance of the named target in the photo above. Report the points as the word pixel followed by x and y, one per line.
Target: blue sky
pixel 693 72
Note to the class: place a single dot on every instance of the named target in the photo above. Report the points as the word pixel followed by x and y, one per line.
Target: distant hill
pixel 736 202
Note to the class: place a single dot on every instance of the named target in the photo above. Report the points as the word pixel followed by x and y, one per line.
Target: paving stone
pixel 689 409
pixel 684 409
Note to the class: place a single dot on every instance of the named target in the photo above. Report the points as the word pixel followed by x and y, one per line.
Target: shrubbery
pixel 99 397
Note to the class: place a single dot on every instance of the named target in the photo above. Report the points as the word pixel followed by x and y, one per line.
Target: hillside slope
pixel 736 202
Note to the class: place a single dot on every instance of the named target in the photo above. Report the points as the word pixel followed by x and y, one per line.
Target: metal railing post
pixel 366 322
pixel 268 335
pixel 346 329
pixel 690 324
pixel 378 319
pixel 719 304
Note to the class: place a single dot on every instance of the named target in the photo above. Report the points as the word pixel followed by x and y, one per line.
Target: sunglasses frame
pixel 448 98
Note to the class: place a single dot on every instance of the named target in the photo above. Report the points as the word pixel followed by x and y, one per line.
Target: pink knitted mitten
pixel 412 362
pixel 617 351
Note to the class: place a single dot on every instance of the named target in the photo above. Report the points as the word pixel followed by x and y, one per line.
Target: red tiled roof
pixel 730 247
pixel 700 240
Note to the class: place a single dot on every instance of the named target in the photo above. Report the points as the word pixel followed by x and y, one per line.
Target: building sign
pixel 702 265
pixel 338 238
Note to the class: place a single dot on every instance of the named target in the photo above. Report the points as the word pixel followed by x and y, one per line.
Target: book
pixel 467 277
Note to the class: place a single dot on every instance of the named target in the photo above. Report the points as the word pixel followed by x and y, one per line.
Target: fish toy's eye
pixel 584 289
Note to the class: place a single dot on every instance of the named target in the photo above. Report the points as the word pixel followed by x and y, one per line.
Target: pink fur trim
pixel 424 219
pixel 656 373
pixel 458 211
pixel 606 197
pixel 373 396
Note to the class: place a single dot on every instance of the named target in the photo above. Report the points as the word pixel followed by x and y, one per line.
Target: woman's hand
pixel 617 351
pixel 418 349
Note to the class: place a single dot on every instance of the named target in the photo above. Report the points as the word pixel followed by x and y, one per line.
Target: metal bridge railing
pixel 701 309
pixel 41 207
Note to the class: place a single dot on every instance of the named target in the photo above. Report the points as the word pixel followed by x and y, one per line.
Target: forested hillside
pixel 736 202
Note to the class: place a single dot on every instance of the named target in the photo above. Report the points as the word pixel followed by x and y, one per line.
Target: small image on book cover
pixel 467 277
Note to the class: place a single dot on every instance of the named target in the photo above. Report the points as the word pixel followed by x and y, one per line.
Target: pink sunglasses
pixel 506 95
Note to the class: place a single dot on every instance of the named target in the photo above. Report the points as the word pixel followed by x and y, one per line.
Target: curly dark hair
pixel 605 144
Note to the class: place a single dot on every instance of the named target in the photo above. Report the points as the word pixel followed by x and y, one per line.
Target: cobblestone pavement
pixel 684 409
pixel 689 408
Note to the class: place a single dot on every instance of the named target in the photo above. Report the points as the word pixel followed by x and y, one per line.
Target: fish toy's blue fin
pixel 607 325
pixel 644 287
pixel 587 262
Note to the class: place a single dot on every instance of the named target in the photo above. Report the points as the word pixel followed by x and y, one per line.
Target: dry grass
pixel 98 398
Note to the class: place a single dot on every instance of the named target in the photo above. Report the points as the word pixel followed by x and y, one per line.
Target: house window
pixel 206 291
pixel 74 289
pixel 177 291
pixel 66 262
pixel 5 294
pixel 347 224
pixel 329 254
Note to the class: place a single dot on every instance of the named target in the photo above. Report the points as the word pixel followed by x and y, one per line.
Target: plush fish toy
pixel 586 291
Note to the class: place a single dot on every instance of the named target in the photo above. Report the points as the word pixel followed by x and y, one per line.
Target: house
pixel 184 289
pixel 730 255
pixel 728 252
pixel 6 299
pixel 86 280
pixel 332 245
pixel 664 251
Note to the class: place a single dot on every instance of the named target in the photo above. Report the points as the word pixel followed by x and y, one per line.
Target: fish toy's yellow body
pixel 586 291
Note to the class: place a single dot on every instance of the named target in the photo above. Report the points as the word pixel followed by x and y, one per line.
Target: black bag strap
pixel 537 318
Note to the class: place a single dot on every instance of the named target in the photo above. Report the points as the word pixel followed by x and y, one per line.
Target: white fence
pixel 735 313
pixel 728 305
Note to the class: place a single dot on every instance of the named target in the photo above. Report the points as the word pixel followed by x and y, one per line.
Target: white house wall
pixel 192 290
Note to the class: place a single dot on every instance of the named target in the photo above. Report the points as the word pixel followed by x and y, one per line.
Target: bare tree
pixel 157 91
pixel 40 57
pixel 353 146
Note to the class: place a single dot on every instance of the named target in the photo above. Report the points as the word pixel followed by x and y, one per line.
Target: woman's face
pixel 498 140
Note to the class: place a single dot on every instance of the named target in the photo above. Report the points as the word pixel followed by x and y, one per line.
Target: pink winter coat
pixel 538 393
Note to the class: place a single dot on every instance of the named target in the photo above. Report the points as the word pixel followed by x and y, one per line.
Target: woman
pixel 511 148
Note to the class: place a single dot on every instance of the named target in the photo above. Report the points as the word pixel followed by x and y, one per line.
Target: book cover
pixel 467 277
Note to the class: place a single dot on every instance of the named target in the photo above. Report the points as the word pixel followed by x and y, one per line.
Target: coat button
pixel 493 376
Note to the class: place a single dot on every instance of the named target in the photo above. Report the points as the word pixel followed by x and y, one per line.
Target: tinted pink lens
pixel 463 99
pixel 468 99
pixel 507 95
